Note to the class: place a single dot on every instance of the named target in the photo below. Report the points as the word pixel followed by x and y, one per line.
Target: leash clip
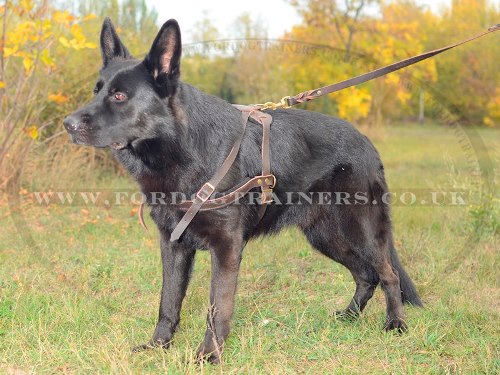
pixel 283 103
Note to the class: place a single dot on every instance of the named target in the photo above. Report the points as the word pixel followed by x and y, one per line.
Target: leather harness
pixel 267 181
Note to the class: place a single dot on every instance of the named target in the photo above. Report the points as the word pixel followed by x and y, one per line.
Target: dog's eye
pixel 119 96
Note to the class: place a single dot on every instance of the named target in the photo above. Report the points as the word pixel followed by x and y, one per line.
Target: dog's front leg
pixel 177 262
pixel 225 267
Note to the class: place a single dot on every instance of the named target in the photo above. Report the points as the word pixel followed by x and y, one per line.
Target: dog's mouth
pixel 84 141
pixel 118 145
pixel 78 140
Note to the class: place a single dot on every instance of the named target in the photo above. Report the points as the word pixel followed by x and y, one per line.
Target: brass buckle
pixel 273 178
pixel 267 189
pixel 267 180
pixel 205 192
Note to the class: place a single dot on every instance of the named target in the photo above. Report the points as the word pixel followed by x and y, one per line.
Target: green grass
pixel 88 289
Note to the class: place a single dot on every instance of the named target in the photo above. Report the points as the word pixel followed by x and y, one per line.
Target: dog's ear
pixel 163 60
pixel 111 45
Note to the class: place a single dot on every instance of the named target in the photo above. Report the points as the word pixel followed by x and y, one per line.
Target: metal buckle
pixel 267 188
pixel 205 192
pixel 273 177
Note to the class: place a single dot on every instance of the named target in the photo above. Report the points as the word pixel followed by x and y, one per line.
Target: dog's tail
pixel 408 290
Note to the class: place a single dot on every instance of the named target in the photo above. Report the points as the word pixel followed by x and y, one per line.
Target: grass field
pixel 88 289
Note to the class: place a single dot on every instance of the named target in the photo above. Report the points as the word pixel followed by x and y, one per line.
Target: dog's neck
pixel 206 127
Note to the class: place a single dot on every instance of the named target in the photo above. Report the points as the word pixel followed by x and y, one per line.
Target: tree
pixel 469 75
pixel 343 19
pixel 401 32
pixel 333 32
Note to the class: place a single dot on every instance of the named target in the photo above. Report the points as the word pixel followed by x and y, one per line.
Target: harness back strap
pixel 266 181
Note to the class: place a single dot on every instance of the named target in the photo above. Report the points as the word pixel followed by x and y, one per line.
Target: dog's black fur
pixel 172 137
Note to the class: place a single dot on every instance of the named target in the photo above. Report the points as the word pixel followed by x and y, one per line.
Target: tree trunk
pixel 421 112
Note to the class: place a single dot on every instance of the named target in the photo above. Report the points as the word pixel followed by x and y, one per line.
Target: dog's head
pixel 131 97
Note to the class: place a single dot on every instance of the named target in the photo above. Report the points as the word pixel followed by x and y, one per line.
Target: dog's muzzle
pixel 81 133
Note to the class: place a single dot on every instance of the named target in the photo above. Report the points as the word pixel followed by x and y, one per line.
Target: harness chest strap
pixel 266 181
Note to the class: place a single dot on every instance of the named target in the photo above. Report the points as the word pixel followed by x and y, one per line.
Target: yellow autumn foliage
pixel 78 40
pixel 31 56
pixel 58 98
pixel 353 103
pixel 32 132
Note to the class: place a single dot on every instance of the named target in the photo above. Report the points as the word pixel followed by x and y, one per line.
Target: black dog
pixel 172 138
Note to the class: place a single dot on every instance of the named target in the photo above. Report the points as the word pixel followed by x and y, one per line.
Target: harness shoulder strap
pixel 209 187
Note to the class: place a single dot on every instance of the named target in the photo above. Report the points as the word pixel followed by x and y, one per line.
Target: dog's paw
pixel 208 354
pixel 151 345
pixel 141 348
pixel 346 315
pixel 396 324
pixel 211 358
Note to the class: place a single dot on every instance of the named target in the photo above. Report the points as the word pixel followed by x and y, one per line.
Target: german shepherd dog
pixel 172 137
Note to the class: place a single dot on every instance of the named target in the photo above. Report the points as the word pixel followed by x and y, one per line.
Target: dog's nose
pixel 71 123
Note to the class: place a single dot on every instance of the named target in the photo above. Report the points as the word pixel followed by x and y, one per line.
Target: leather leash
pixel 267 181
pixel 289 101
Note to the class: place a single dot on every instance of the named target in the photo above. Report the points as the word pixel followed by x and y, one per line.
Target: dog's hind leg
pixel 370 237
pixel 177 262
pixel 226 258
pixel 364 275
pixel 366 281
pixel 389 278
pixel 348 237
